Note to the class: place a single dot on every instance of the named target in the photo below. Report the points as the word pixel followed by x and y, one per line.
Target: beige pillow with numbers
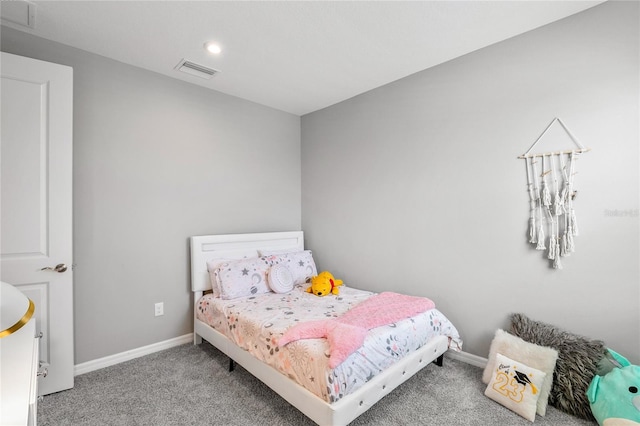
pixel 516 386
pixel 542 358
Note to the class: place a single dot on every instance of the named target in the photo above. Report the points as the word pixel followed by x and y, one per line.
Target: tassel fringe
pixel 570 244
pixel 532 229
pixel 573 222
pixel 552 248
pixel 557 264
pixel 564 250
pixel 541 237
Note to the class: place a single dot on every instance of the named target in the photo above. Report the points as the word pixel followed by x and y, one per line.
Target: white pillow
pixel 213 264
pixel 280 279
pixel 300 264
pixel 516 386
pixel 540 357
pixel 242 278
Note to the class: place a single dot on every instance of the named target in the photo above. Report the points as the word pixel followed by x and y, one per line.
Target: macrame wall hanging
pixel 550 183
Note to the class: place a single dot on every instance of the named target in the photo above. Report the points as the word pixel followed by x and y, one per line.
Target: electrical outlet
pixel 159 309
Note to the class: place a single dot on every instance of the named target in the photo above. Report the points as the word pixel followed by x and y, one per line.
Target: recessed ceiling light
pixel 212 47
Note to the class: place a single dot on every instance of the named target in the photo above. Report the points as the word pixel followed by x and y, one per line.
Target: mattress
pixel 256 323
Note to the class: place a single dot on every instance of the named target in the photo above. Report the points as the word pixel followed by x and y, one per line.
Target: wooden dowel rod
pixel 569 151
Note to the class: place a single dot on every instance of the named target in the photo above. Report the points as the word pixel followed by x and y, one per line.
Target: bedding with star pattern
pixel 255 323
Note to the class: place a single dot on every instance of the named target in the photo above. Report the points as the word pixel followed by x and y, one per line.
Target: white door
pixel 36 203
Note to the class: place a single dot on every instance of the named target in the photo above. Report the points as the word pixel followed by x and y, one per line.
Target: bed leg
pixel 438 361
pixel 232 365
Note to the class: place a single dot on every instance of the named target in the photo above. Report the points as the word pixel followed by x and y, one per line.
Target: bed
pixel 327 396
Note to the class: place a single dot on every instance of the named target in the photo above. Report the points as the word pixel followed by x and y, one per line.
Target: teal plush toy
pixel 615 396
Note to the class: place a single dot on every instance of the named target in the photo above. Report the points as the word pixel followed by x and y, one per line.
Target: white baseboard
pixel 472 359
pixel 107 361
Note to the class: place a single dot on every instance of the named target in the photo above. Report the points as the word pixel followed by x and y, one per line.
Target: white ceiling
pixel 294 56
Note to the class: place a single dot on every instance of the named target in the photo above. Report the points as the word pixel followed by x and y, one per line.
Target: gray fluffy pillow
pixel 577 362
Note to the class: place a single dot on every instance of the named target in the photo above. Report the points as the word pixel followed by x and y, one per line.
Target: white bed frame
pixel 342 412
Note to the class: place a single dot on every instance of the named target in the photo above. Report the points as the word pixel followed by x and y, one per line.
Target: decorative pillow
pixel 576 366
pixel 280 279
pixel 242 278
pixel 516 386
pixel 538 357
pixel 213 264
pixel 300 264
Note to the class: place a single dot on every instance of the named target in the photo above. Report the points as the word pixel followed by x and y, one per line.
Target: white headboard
pixel 207 247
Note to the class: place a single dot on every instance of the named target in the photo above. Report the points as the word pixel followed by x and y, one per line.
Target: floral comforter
pixel 256 323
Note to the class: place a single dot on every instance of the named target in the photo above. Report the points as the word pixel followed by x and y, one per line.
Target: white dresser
pixel 19 360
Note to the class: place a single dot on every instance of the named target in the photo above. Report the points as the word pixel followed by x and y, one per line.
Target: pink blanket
pixel 347 333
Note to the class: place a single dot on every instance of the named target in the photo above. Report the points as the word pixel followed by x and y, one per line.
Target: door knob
pixel 60 267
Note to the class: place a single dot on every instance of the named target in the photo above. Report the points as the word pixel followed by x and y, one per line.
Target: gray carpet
pixel 191 385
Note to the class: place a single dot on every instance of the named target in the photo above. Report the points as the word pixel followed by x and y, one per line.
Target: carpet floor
pixel 191 385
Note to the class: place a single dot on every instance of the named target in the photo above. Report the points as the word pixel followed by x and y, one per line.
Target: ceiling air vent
pixel 195 69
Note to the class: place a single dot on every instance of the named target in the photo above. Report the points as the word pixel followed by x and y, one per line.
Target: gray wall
pixel 412 187
pixel 415 186
pixel 157 160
